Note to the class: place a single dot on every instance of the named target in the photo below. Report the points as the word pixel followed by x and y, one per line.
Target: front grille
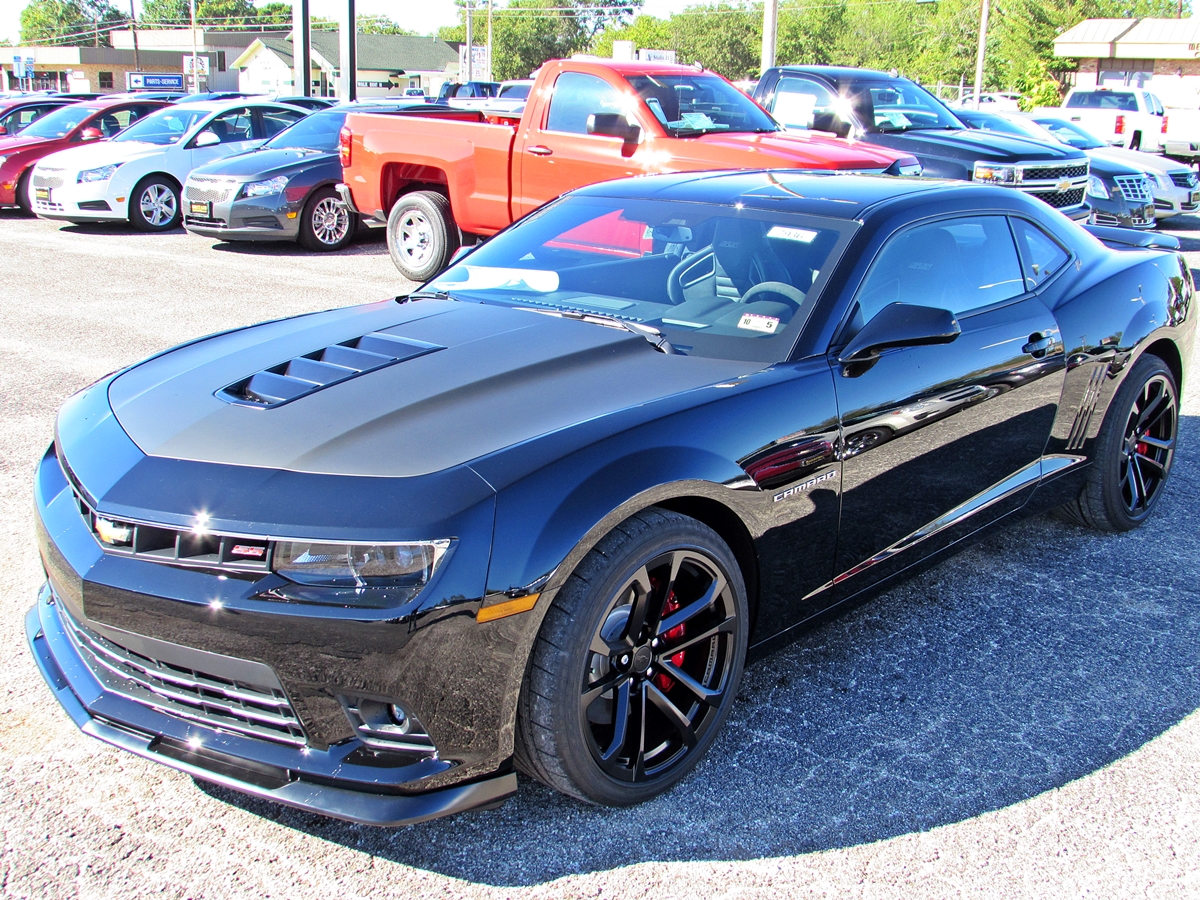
pixel 235 554
pixel 1136 188
pixel 1185 179
pixel 205 196
pixel 1166 204
pixel 207 223
pixel 256 710
pixel 47 181
pixel 1131 222
pixel 1060 199
pixel 1053 173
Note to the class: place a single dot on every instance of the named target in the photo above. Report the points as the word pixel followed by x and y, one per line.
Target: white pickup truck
pixel 1122 116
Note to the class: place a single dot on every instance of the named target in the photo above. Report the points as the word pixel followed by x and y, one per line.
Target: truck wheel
pixel 1135 142
pixel 421 234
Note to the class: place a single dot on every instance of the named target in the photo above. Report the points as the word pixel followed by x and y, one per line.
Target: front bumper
pixel 219 213
pixel 294 776
pixel 1175 201
pixel 70 201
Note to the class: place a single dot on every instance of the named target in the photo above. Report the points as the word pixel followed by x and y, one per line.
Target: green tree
pixel 725 37
pixel 380 25
pixel 69 22
pixel 646 32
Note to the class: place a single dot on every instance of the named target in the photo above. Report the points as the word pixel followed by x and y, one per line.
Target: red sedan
pixel 17 112
pixel 90 120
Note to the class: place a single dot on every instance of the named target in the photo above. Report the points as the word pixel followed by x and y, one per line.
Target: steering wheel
pixel 675 279
pixel 793 295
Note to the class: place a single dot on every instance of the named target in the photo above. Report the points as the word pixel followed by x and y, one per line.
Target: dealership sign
pixel 153 81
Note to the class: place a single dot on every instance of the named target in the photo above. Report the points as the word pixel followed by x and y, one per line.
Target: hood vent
pixel 300 376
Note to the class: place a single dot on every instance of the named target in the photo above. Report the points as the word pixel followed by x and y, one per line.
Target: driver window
pixel 800 103
pixel 113 121
pixel 956 264
pixel 232 126
pixel 577 96
pixel 275 120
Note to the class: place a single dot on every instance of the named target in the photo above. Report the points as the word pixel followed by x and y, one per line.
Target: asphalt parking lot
pixel 1020 721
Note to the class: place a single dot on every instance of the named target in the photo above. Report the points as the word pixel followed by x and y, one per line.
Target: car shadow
pixel 366 243
pixel 1038 656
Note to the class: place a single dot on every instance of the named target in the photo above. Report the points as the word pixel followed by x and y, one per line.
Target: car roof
pixel 841 73
pixel 829 195
pixel 231 103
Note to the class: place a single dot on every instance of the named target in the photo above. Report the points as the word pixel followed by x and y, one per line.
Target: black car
pixel 895 112
pixel 283 191
pixel 535 515
pixel 1118 194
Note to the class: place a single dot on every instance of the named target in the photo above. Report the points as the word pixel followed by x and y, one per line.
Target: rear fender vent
pixel 300 376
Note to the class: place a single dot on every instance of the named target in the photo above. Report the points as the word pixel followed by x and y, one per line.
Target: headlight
pixel 101 174
pixel 266 188
pixel 357 574
pixel 1096 187
pixel 990 174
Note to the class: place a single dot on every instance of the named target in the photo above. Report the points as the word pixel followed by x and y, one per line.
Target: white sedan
pixel 137 175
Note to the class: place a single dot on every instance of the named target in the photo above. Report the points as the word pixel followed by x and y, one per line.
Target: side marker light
pixel 507 608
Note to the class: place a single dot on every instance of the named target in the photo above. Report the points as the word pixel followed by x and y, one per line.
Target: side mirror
pixel 91 134
pixel 901 325
pixel 3 130
pixel 206 139
pixel 613 125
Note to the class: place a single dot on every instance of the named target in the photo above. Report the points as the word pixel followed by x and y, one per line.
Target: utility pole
pixel 133 28
pixel 983 27
pixel 770 24
pixel 195 62
pixel 491 76
pixel 470 73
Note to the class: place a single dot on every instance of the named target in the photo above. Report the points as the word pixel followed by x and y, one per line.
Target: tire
pixel 154 204
pixel 1134 451
pixel 23 201
pixel 1135 142
pixel 612 714
pixel 421 234
pixel 326 222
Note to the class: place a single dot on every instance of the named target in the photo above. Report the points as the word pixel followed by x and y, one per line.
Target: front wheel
pixel 421 234
pixel 326 223
pixel 637 663
pixel 1134 451
pixel 24 201
pixel 154 204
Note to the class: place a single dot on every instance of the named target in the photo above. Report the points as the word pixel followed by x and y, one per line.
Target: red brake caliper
pixel 666 682
pixel 1142 447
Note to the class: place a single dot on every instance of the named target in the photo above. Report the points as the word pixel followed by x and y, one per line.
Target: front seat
pixel 744 258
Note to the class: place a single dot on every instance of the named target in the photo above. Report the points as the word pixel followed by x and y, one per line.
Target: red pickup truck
pixel 439 176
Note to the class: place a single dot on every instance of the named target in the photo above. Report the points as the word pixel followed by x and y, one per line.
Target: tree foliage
pixel 69 22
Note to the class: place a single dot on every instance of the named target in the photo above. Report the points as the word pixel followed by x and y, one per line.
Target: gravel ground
pixel 1017 722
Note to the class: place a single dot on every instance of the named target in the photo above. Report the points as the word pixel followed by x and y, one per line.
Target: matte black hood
pixel 265 163
pixel 500 377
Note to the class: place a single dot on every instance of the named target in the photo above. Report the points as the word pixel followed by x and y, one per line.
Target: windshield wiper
pixel 431 294
pixel 650 333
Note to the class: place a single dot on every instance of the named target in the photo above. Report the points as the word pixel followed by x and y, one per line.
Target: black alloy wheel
pixel 154 204
pixel 326 223
pixel 1134 451
pixel 637 663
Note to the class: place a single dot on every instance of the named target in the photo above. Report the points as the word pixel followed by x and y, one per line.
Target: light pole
pixel 470 71
pixel 983 27
pixel 770 25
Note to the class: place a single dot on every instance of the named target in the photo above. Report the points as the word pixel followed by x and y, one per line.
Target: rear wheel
pixel 1135 142
pixel 154 204
pixel 421 234
pixel 1134 451
pixel 637 663
pixel 326 223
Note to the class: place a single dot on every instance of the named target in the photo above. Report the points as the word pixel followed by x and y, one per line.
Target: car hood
pixel 799 149
pixel 15 142
pixel 970 145
pixel 101 153
pixel 264 163
pixel 1108 167
pixel 493 378
pixel 1143 162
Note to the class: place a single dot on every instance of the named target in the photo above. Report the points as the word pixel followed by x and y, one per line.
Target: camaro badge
pixel 806 485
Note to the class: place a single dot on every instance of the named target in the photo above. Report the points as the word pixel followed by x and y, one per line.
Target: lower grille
pixel 1135 187
pixel 1131 222
pixel 47 206
pixel 1060 199
pixel 47 181
pixel 222 703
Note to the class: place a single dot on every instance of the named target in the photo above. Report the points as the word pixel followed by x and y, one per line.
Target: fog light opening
pixel 385 724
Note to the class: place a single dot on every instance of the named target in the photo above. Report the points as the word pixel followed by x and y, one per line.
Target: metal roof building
pixel 1160 55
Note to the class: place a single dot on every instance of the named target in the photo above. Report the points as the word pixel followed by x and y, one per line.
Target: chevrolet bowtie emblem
pixel 1064 185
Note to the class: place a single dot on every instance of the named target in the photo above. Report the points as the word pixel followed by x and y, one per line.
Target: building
pixel 99 69
pixel 221 47
pixel 387 64
pixel 1160 55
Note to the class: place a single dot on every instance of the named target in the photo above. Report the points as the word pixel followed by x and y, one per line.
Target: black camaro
pixel 535 516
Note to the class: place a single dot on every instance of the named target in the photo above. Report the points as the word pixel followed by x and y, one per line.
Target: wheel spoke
pixel 602 647
pixel 642 590
pixel 620 723
pixel 639 765
pixel 1158 443
pixel 602 686
pixel 673 715
pixel 1138 485
pixel 726 627
pixel 1158 471
pixel 693 609
pixel 703 694
pixel 1150 412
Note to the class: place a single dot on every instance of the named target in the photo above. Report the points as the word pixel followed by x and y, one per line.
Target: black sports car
pixel 535 516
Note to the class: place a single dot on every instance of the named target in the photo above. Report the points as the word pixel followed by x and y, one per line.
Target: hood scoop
pixel 340 362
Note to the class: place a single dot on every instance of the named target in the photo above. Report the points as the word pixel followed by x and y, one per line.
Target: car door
pixel 235 131
pixel 560 155
pixel 941 439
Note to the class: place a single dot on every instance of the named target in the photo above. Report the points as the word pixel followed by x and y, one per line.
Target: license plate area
pixel 1195 198
pixel 42 193
pixel 198 208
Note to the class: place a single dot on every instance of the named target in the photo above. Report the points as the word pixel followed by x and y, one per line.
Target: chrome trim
pixel 1033 473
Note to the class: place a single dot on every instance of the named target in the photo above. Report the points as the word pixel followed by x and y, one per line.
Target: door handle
pixel 1038 345
pixel 539 150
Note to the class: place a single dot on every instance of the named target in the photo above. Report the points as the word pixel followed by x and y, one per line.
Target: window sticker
pixel 755 322
pixel 804 235
pixel 696 120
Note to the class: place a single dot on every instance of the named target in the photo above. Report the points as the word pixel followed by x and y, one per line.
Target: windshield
pixel 58 123
pixel 515 91
pixel 167 126
pixel 316 132
pixel 688 105
pixel 1070 133
pixel 1026 128
pixel 884 107
pixel 717 281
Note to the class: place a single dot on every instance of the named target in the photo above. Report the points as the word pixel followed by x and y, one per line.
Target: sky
pixel 421 16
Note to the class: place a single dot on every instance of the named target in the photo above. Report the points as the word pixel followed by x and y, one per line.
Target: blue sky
pixel 422 16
